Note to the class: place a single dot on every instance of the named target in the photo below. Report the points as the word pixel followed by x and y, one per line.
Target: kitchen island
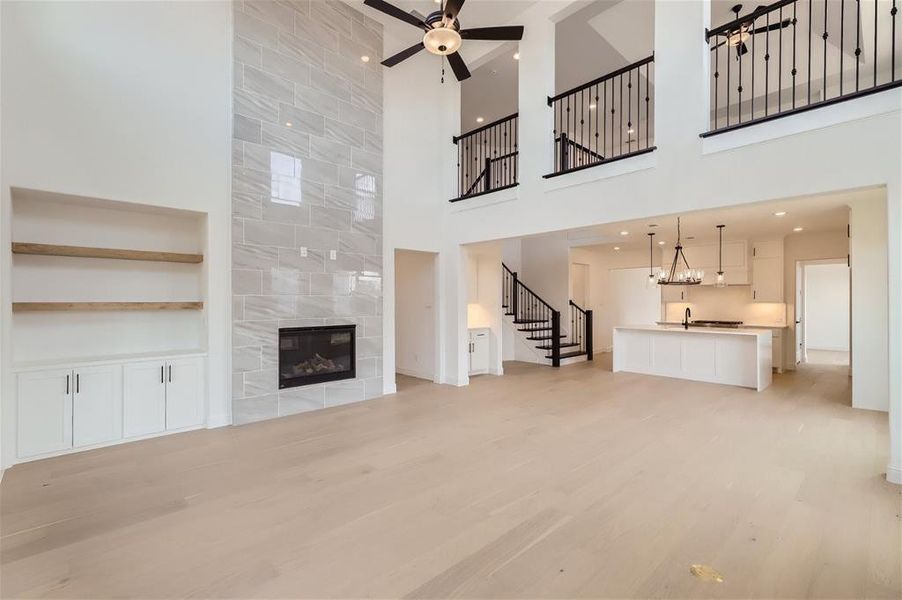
pixel 740 357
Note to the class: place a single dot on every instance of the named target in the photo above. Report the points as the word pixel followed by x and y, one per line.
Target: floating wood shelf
pixel 100 306
pixel 115 253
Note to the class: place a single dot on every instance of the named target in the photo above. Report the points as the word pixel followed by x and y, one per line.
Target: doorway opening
pixel 823 310
pixel 416 321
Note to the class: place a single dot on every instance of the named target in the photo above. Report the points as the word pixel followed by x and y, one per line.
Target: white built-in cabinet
pixel 767 271
pixel 480 347
pixel 674 293
pixel 64 409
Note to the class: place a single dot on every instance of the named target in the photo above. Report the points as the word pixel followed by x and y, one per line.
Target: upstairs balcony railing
pixel 487 158
pixel 607 119
pixel 795 55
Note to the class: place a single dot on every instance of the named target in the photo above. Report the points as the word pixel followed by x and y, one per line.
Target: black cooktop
pixel 704 323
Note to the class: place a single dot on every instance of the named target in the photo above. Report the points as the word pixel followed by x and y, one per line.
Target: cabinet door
pixel 184 393
pixel 44 412
pixel 97 405
pixel 777 350
pixel 144 399
pixel 479 355
pixel 674 293
pixel 768 249
pixel 767 279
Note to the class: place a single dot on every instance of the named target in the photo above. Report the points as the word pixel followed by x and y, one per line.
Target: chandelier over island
pixel 686 276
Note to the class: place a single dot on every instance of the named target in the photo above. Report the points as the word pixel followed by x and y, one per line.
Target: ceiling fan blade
pixel 452 7
pixel 403 55
pixel 501 34
pixel 772 27
pixel 394 11
pixel 458 66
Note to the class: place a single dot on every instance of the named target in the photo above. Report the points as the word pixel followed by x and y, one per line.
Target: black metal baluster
pixel 621 114
pixel 582 122
pixel 826 8
pixel 598 114
pixel 794 69
pixel 857 44
pixel 629 108
pixel 752 108
pixel 767 64
pixel 647 106
pixel 893 12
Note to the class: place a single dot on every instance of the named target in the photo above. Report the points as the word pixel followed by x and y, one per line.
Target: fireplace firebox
pixel 310 355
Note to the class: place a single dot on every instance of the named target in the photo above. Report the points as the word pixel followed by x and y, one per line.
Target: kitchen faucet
pixel 686 316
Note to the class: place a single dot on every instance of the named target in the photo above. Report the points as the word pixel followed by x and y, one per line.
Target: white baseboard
pixel 894 474
pixel 389 388
pixel 222 420
pixel 414 373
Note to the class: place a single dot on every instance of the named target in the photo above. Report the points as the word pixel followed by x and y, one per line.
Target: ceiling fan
pixel 443 35
pixel 736 38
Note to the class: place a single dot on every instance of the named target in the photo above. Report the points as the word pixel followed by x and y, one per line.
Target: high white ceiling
pixel 812 213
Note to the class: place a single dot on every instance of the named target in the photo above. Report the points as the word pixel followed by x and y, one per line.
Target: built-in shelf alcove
pixel 94 277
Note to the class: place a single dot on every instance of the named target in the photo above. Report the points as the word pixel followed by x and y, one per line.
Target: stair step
pixel 528 329
pixel 543 337
pixel 569 354
pixel 519 321
pixel 507 314
pixel 548 347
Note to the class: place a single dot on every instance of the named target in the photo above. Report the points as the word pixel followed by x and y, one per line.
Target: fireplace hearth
pixel 310 355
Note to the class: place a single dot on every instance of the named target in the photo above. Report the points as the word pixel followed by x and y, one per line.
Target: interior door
pixel 44 412
pixel 184 393
pixel 144 398
pixel 97 405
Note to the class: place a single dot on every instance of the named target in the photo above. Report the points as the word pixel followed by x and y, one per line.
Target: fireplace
pixel 315 354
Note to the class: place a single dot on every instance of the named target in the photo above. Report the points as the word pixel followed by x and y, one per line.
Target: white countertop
pixel 743 326
pixel 82 361
pixel 677 328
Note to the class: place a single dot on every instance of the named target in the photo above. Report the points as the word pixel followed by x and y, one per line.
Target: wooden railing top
pixel 484 127
pixel 605 77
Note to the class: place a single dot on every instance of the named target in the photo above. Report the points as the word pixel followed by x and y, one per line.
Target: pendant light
pixel 687 276
pixel 652 280
pixel 720 281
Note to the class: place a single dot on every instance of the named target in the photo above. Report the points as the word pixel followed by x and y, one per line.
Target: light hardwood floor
pixel 545 483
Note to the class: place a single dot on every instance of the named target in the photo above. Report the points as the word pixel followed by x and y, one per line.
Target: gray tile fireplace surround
pixel 306 196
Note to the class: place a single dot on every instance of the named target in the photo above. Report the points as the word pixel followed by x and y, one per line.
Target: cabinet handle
pixel 754 294
pixel 170 373
pixel 161 374
pixel 67 385
pixel 77 383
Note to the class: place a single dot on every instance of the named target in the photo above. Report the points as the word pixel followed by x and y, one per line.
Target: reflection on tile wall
pixel 306 183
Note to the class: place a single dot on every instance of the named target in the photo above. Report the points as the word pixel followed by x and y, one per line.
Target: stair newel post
pixel 515 296
pixel 555 338
pixel 565 152
pixel 589 349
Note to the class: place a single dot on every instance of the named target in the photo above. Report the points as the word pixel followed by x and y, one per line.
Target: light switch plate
pixel 304 251
pixel 333 254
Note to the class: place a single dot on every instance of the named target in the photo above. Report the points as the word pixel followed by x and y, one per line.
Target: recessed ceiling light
pixel 624 233
pixel 780 213
pixel 661 243
pixel 365 58
pixel 516 56
pixel 591 107
pixel 287 123
pixel 616 247
pixel 479 119
pixel 797 229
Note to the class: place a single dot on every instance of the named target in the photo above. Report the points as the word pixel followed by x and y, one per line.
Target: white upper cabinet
pixel 144 406
pixel 767 271
pixel 184 393
pixel 97 405
pixel 706 257
pixel 44 412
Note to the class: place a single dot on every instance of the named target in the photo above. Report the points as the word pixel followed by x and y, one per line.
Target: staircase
pixel 539 324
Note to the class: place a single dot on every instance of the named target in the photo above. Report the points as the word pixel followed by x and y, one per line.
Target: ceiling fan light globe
pixel 442 41
pixel 738 37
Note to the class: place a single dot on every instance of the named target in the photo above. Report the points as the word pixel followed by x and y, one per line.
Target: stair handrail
pixel 581 329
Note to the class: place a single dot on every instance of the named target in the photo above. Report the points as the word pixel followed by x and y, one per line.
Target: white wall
pixel 545 268
pixel 415 329
pixel 125 101
pixel 827 307
pixel 798 154
pixel 484 297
